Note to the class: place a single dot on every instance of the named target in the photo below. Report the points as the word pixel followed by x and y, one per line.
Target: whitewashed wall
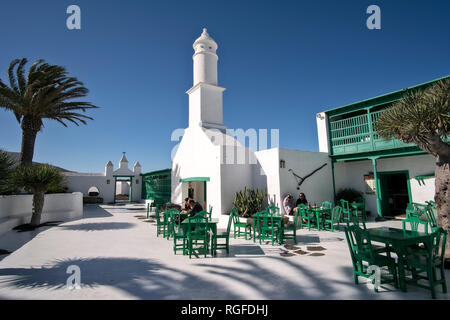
pixel 268 176
pixel 17 209
pixel 318 187
pixel 350 175
pixel 322 132
pixel 79 182
pixel 197 156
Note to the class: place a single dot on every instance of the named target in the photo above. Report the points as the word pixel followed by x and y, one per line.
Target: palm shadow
pixel 143 279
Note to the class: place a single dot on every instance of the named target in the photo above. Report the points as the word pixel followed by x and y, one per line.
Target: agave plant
pixel 249 201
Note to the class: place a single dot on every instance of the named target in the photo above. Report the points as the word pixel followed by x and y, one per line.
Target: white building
pixel 390 174
pixel 110 183
pixel 211 165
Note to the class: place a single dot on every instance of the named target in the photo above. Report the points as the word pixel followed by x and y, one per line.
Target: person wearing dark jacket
pixel 301 199
pixel 195 208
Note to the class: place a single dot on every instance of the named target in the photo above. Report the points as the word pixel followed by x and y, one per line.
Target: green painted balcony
pixel 356 134
pixel 351 127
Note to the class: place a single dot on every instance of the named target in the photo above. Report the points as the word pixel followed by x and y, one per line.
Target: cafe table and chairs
pixel 398 241
pixel 265 222
pixel 318 215
pixel 364 257
pixel 424 262
pixel 199 229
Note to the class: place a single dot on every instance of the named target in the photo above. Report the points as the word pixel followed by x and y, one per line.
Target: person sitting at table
pixel 186 205
pixel 288 205
pixel 301 200
pixel 195 207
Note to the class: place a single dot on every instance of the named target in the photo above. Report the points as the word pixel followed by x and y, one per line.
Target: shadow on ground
pixel 147 279
pixel 98 226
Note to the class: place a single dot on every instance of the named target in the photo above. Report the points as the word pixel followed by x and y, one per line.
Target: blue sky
pixel 281 62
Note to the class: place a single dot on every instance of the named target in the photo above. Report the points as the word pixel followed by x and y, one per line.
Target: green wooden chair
pixel 431 213
pixel 414 223
pixel 335 217
pixel 160 225
pixel 290 227
pixel 197 232
pixel 210 212
pixel 205 214
pixel 169 220
pixel 177 233
pixel 327 205
pixel 361 252
pixel 346 212
pixel 238 225
pixel 305 214
pixel 423 263
pixel 222 235
pixel 273 210
pixel 360 211
pixel 268 230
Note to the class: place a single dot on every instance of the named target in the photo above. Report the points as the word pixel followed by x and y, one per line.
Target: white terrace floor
pixel 120 257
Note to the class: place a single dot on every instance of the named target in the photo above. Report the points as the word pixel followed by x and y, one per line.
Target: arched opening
pixel 93 192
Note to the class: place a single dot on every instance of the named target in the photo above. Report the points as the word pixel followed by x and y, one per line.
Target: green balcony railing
pixel 356 134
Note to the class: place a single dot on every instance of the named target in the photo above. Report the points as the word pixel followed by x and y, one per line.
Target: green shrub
pixel 348 194
pixel 249 201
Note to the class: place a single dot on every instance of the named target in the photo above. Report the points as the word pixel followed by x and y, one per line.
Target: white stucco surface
pixel 120 257
pixel 350 175
pixel 16 209
pixel 104 181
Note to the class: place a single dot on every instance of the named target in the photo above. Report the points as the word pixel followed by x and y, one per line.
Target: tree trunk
pixel 29 132
pixel 38 205
pixel 442 199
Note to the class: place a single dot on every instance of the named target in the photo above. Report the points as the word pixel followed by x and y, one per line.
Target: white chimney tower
pixel 205 97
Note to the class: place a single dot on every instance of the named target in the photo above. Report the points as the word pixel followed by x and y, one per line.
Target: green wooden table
pixel 212 225
pixel 319 212
pixel 398 240
pixel 277 218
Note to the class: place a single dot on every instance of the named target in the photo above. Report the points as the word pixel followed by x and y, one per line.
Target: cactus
pixel 249 201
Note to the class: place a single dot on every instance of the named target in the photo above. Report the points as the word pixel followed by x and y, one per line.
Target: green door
pixel 394 192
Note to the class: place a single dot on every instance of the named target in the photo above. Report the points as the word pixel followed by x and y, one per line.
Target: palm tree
pixel 37 179
pixel 423 118
pixel 46 92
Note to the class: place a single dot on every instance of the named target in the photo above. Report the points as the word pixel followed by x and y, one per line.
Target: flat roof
pixel 379 100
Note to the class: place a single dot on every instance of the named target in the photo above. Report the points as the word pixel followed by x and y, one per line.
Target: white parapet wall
pixel 16 209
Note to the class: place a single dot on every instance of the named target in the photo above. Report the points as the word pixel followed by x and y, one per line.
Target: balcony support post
pixel 371 133
pixel 377 190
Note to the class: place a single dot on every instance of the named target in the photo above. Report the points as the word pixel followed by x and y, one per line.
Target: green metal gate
pixel 157 186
